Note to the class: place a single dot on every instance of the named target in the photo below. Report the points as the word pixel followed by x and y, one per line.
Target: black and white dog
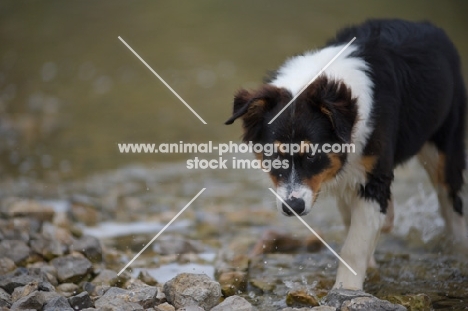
pixel 395 92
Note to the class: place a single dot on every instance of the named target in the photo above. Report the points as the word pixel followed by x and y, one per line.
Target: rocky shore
pixel 47 263
pixel 61 249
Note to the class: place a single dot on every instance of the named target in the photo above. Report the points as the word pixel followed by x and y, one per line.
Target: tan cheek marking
pixel 316 181
pixel 274 179
pixel 368 162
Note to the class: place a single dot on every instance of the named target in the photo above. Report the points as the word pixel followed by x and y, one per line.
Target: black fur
pixel 418 96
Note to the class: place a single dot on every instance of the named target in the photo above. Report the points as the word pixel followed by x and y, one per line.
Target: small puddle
pixel 110 229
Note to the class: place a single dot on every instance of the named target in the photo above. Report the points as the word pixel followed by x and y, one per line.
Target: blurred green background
pixel 70 90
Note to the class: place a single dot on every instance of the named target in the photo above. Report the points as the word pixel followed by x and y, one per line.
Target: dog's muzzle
pixel 296 204
pixel 297 197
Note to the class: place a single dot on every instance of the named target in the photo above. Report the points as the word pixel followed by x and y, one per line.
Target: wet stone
pixel 145 277
pixel 144 296
pixel 51 278
pixel 313 244
pixel 80 301
pixel 68 289
pixel 114 292
pixel 4 305
pixel 49 271
pixel 16 229
pixel 6 265
pixel 17 250
pixel 132 284
pixel 240 262
pixel 160 296
pixel 100 290
pixel 350 300
pixel 116 299
pixel 58 303
pixel 192 289
pixel 264 286
pixel 88 286
pixel 301 298
pixel 21 277
pixel 109 278
pixel 31 209
pixel 412 302
pixel 165 307
pixel 336 297
pixel 234 303
pixel 72 268
pixel 46 287
pixel 34 300
pixel 192 308
pixel 24 291
pixel 319 308
pixel 51 232
pixel 89 246
pixel 5 298
pixel 279 242
pixel 229 261
pixel 85 212
pixel 48 249
pixel 370 304
pixel 323 308
pixel 232 282
pixel 50 295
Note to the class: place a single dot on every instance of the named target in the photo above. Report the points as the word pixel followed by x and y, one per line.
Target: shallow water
pixel 234 212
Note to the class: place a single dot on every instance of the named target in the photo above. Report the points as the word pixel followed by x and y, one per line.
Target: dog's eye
pixel 275 155
pixel 312 157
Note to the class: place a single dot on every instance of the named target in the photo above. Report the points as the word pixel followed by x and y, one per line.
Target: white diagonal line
pixel 160 232
pixel 315 233
pixel 313 79
pixel 162 80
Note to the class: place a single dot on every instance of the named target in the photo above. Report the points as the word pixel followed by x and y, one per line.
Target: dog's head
pixel 324 113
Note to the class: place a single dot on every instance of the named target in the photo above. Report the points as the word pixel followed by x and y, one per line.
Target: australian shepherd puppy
pixel 397 91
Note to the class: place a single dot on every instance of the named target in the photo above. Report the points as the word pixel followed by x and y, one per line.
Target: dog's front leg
pixel 366 223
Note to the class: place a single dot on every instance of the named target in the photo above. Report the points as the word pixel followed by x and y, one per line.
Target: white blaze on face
pixel 294 189
pixel 298 191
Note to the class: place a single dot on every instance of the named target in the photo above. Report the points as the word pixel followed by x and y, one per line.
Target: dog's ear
pixel 242 101
pixel 334 99
pixel 252 108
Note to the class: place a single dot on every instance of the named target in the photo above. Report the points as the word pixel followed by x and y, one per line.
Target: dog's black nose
pixel 297 204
